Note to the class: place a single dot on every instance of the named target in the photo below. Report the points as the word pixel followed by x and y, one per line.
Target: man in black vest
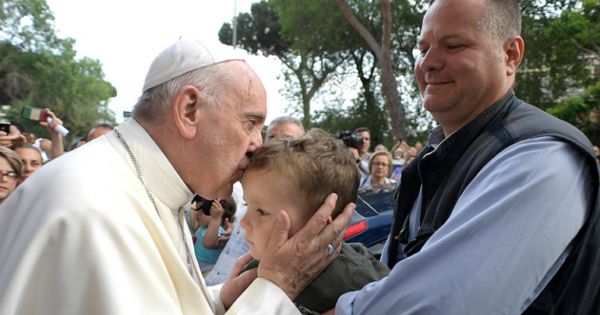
pixel 498 213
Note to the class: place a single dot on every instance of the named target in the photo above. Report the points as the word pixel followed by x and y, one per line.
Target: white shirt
pixel 81 236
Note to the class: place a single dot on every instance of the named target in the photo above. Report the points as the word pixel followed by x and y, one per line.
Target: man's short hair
pixel 317 163
pixel 285 120
pixel 210 81
pixel 14 160
pixel 502 19
pixel 361 129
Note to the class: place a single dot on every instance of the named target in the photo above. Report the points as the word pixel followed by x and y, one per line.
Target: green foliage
pixel 562 48
pixel 306 70
pixel 257 32
pixel 582 111
pixel 335 119
pixel 41 70
pixel 562 42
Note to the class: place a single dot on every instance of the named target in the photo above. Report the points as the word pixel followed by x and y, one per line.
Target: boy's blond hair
pixel 316 164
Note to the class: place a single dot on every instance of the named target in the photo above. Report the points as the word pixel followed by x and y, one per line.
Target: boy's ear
pixel 187 111
pixel 514 50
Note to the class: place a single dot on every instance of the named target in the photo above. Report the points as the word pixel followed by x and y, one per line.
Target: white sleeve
pixel 263 297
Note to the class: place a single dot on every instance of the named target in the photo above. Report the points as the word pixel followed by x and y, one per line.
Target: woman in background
pixel 10 171
pixel 379 169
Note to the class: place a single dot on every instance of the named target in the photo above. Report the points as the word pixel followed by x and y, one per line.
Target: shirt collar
pixel 160 176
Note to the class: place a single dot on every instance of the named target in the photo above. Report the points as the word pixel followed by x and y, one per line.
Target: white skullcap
pixel 183 56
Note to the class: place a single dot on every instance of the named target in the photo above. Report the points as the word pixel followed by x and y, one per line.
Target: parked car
pixel 372 220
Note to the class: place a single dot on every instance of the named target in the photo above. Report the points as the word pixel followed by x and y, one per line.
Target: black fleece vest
pixel 444 174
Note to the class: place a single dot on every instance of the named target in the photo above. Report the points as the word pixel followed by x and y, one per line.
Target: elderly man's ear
pixel 188 111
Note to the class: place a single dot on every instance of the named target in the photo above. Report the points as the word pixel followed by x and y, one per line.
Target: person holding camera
pixel 363 153
pixel 214 221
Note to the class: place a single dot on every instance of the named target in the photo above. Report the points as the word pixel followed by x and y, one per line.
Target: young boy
pixel 296 175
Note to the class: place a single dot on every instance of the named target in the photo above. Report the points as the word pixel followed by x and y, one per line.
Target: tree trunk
pixel 382 53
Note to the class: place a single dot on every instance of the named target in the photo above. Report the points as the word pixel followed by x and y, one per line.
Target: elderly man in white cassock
pixel 101 231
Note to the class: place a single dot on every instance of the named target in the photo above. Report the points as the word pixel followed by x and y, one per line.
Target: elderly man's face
pixel 231 132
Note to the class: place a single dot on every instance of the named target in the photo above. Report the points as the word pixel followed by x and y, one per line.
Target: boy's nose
pixel 244 222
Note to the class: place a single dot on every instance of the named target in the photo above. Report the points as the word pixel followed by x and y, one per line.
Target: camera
pixel 5 126
pixel 351 140
pixel 206 204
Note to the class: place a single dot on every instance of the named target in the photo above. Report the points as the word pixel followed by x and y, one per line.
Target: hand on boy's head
pixel 293 263
pixel 238 281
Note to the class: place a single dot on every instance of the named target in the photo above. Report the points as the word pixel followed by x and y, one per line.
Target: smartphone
pixel 34 113
pixel 5 126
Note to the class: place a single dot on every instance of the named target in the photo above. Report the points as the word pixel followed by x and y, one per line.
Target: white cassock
pixel 82 236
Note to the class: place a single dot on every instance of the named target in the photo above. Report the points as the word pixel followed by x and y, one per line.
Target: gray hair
pixel 210 80
pixel 285 120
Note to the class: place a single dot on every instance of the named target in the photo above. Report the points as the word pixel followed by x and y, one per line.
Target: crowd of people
pixel 32 151
pixel 498 213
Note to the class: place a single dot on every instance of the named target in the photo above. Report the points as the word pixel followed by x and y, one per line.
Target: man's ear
pixel 187 111
pixel 514 50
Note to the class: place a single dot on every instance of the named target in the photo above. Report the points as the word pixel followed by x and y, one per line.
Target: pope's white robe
pixel 81 236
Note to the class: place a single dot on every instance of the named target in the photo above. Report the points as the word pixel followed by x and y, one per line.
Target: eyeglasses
pixel 380 164
pixel 11 175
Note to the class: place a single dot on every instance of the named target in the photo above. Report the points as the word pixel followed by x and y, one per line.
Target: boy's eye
pixel 261 212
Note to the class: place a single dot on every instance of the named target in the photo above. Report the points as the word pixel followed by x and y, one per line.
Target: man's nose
pixel 431 60
pixel 256 141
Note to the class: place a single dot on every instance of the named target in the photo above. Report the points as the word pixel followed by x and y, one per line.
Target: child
pixel 296 175
pixel 212 220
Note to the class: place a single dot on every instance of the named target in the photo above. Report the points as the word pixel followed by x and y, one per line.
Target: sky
pixel 126 35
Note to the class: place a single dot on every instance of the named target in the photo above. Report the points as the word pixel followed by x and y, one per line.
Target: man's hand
pixel 237 281
pixel 293 263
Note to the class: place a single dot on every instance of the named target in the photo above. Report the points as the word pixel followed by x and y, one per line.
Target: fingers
pixel 320 218
pixel 280 232
pixel 237 281
pixel 239 264
pixel 228 227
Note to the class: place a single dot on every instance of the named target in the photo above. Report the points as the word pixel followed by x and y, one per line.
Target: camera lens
pixel 206 207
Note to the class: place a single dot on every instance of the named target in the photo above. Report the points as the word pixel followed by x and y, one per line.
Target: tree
pixel 39 69
pixel 307 70
pixel 562 47
pixel 382 51
pixel 583 111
